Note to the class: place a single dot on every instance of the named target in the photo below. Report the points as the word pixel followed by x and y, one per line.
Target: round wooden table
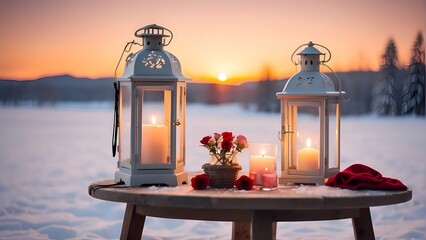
pixel 254 213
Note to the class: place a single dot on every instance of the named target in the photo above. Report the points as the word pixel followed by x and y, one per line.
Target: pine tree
pixel 414 89
pixel 388 92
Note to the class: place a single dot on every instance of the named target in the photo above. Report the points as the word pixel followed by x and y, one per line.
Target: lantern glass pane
pixel 333 134
pixel 155 131
pixel 305 140
pixel 125 124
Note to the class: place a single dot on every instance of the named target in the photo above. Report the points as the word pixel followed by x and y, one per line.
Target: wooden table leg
pixel 362 225
pixel 241 231
pixel 132 224
pixel 274 230
pixel 262 227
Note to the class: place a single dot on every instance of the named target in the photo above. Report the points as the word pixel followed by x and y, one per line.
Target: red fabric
pixel 359 176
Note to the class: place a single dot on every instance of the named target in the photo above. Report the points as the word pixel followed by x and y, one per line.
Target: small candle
pixel 308 158
pixel 261 165
pixel 262 161
pixel 154 143
pixel 269 181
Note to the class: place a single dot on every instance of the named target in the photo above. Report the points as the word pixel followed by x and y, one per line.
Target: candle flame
pixel 262 152
pixel 308 142
pixel 153 120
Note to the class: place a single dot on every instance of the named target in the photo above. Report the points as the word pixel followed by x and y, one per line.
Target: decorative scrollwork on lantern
pixel 175 61
pixel 305 82
pixel 154 61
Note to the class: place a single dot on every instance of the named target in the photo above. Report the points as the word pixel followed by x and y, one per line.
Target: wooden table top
pixel 284 198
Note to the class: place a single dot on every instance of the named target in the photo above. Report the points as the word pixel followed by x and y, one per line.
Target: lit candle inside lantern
pixel 154 143
pixel 261 164
pixel 308 158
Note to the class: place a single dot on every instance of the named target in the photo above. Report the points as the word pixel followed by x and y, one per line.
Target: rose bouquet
pixel 224 146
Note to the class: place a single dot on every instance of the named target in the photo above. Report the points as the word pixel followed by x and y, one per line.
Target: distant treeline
pixel 51 90
pixel 394 90
pixel 258 96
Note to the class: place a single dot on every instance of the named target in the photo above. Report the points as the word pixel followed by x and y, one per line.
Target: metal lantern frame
pixel 310 94
pixel 151 152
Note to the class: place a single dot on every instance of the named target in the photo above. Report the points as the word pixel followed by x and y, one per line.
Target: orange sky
pixel 241 38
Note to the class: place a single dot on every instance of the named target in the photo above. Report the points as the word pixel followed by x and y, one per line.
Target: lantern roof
pixel 309 80
pixel 309 83
pixel 310 50
pixel 153 62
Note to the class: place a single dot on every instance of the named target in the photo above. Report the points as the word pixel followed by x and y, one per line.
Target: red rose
pixel 227 145
pixel 200 182
pixel 205 140
pixel 227 136
pixel 244 183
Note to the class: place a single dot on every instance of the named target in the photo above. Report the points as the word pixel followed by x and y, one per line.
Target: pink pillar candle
pixel 269 181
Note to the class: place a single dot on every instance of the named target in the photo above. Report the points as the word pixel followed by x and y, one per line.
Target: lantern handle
pixel 138 34
pixel 340 84
pixel 127 48
pixel 292 55
pixel 329 53
pixel 116 117
pixel 313 44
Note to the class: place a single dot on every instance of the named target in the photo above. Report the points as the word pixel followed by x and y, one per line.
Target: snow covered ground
pixel 48 157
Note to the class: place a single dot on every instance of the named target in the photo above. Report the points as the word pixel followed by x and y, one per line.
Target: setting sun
pixel 222 77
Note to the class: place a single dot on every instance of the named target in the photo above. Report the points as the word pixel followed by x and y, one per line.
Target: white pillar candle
pixel 154 143
pixel 308 158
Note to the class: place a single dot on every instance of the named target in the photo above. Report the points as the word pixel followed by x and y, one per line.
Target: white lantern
pixel 310 122
pixel 150 114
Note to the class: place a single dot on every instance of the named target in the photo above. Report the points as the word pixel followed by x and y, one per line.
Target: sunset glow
pixel 222 77
pixel 86 38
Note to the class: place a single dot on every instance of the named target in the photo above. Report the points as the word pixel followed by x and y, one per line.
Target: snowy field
pixel 48 157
